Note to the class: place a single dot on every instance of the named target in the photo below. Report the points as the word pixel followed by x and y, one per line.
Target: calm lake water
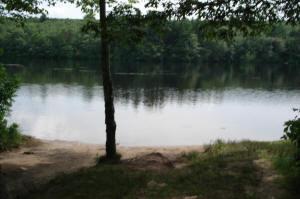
pixel 156 105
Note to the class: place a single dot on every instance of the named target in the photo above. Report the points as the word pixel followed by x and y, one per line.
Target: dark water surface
pixel 156 105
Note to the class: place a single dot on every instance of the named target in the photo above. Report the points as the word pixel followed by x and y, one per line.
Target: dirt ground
pixel 38 161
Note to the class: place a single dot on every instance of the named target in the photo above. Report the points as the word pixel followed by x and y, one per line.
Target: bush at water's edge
pixel 10 136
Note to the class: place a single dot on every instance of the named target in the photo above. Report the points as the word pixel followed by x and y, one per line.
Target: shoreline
pixel 126 151
pixel 38 161
pixel 29 170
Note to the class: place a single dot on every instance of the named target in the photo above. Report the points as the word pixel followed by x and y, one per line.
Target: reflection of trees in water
pixel 191 84
pixel 44 91
pixel 157 98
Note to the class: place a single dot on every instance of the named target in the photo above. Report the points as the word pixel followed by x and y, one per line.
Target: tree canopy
pixel 22 8
pixel 181 42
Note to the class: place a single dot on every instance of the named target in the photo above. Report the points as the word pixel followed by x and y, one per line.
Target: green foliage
pixel 48 39
pixel 233 16
pixel 224 19
pixel 43 17
pixel 20 9
pixel 9 134
pixel 292 132
pixel 180 41
pixel 8 87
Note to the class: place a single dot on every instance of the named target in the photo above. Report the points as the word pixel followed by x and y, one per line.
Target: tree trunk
pixel 107 86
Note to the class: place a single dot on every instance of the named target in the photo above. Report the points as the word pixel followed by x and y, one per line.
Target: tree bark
pixel 107 86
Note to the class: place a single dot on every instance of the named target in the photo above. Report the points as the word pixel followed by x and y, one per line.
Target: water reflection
pixel 179 105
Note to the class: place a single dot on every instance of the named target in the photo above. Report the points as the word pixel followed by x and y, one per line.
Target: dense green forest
pixel 182 41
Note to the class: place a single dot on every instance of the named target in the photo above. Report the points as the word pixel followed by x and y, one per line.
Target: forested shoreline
pixel 181 42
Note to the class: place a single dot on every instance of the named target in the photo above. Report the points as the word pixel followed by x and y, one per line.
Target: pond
pixel 156 105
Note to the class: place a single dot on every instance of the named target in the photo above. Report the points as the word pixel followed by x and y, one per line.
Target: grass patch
pixel 225 170
pixel 10 136
pixel 286 165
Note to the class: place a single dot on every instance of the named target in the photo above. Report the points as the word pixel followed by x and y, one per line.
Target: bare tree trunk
pixel 107 85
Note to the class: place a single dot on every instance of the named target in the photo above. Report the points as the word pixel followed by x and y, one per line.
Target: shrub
pixel 292 132
pixel 9 134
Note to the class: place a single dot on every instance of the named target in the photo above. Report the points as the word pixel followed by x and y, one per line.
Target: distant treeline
pixel 182 41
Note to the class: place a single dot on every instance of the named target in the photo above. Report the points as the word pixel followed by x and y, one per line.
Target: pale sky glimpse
pixel 68 10
pixel 64 10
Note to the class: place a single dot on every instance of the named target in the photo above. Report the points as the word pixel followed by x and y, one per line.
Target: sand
pixel 39 161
